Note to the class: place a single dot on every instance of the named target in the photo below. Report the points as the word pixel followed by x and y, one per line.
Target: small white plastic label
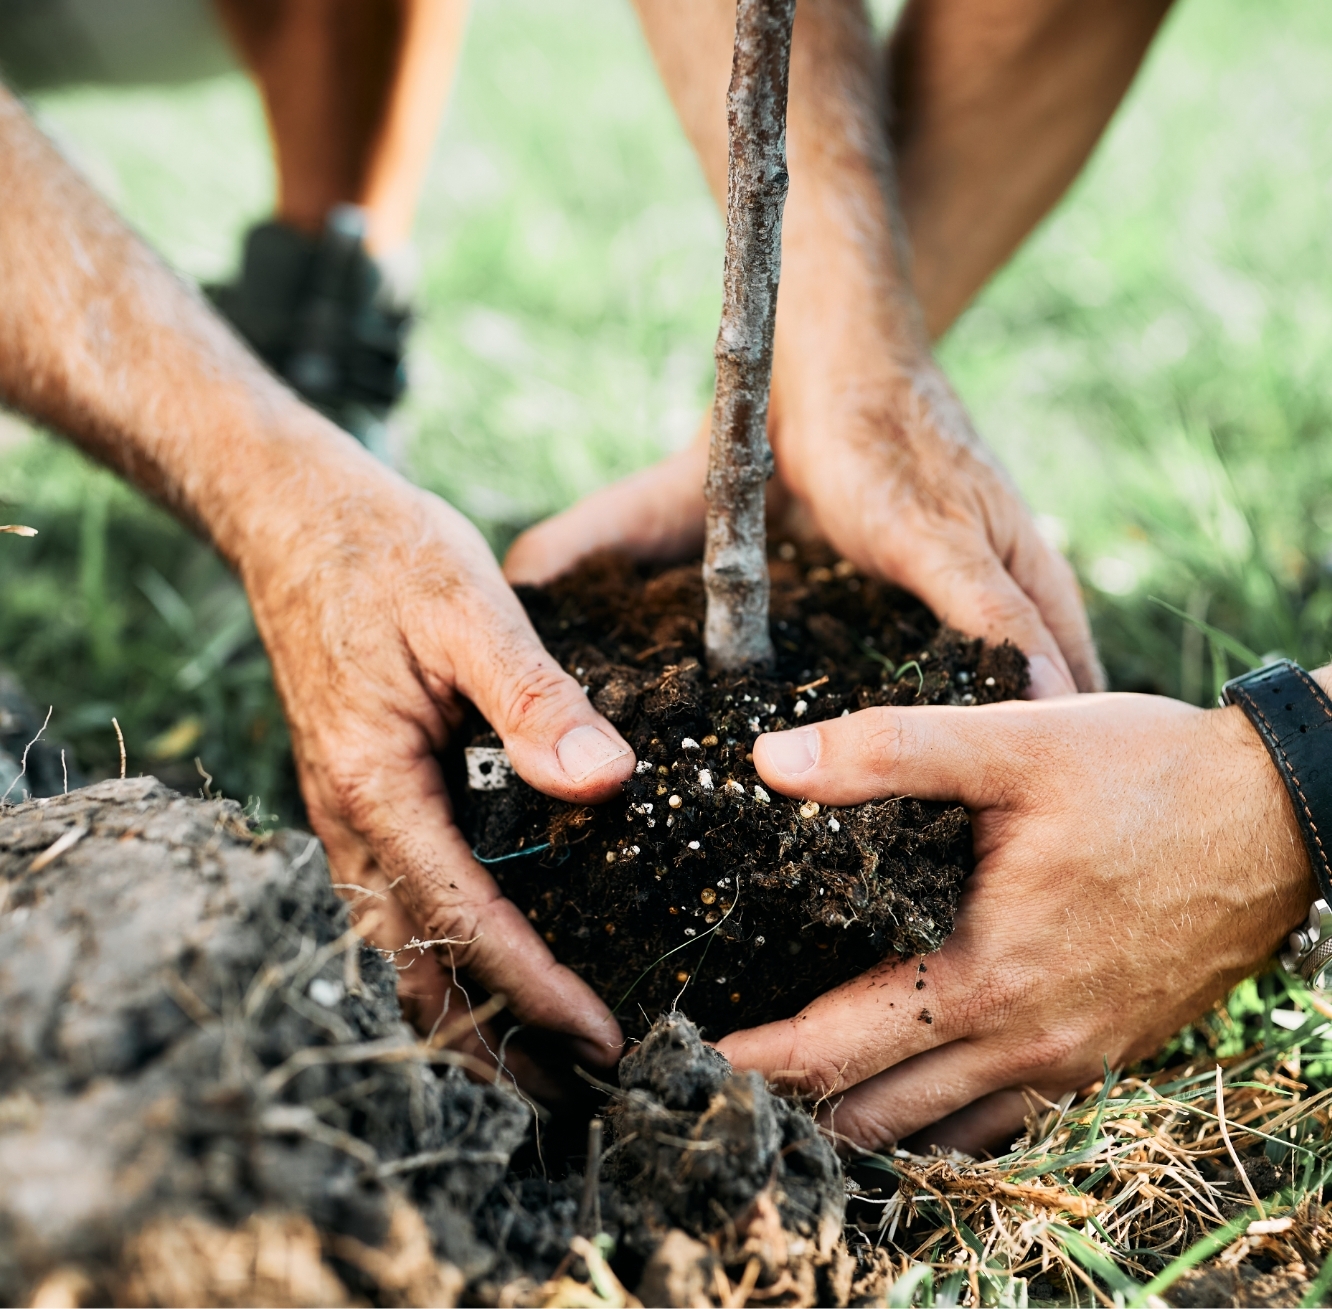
pixel 488 768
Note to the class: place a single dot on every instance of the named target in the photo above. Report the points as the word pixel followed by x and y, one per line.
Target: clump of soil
pixel 700 886
pixel 747 1141
pixel 179 1000
pixel 208 1096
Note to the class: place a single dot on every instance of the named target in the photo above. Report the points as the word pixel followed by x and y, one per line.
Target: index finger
pixel 856 1031
pixel 398 817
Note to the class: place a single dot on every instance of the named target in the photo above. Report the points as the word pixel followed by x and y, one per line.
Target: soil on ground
pixel 700 887
pixel 208 1096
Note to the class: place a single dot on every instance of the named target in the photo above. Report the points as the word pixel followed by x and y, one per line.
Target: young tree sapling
pixel 735 562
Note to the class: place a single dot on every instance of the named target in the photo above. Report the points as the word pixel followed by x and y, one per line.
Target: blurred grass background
pixel 1151 366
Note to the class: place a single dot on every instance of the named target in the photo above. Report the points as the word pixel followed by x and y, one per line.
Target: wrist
pixel 275 479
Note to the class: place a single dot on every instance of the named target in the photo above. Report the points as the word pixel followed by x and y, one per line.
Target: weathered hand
pixel 382 608
pixel 887 466
pixel 1135 857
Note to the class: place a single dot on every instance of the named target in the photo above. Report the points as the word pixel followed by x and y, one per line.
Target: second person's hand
pixel 1135 858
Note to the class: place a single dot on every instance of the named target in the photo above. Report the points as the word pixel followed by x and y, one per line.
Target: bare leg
pixel 353 90
pixel 995 107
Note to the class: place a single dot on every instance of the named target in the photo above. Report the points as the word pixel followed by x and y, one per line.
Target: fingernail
pixel 1047 679
pixel 587 750
pixel 792 752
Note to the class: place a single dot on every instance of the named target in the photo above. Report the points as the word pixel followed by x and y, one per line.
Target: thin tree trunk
pixel 735 563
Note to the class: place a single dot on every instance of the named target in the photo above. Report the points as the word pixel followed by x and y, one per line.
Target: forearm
pixel 995 107
pixel 100 341
pixel 840 227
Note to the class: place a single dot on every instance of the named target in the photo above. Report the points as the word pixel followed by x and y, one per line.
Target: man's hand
pixel 897 481
pixel 1135 857
pixel 382 608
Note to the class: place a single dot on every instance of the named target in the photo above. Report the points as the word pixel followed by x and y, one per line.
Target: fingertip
pixel 1048 678
pixel 601 1054
pixel 593 760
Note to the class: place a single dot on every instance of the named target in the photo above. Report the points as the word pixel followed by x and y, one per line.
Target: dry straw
pixel 1113 1197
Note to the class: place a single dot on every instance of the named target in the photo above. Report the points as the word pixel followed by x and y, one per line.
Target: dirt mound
pixel 207 1095
pixel 699 878
pixel 189 1026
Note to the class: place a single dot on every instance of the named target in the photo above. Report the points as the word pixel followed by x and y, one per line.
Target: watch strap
pixel 1293 717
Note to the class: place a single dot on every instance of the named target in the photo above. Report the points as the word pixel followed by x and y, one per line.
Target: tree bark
pixel 735 564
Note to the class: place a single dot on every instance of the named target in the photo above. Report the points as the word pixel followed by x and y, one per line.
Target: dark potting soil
pixel 199 1062
pixel 699 887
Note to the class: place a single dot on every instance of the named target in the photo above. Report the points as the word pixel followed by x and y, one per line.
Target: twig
pixel 589 1207
pixel 300 1120
pixel 735 564
pixel 120 736
pixel 67 841
pixel 187 998
pixel 23 766
pixel 389 1050
pixel 810 686
pixel 448 1154
pixel 442 1038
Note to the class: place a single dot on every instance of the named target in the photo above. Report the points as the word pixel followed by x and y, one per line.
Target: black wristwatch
pixel 1293 716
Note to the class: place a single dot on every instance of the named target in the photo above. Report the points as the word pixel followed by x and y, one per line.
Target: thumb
pixel 932 753
pixel 555 739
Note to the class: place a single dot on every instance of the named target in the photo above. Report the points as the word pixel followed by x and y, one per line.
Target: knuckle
pixel 997 1000
pixel 456 930
pixel 1055 1051
pixel 807 1063
pixel 348 793
pixel 533 694
pixel 868 1123
pixel 882 739
pixel 823 1074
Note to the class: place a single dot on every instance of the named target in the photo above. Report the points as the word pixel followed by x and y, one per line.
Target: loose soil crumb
pixel 700 887
pixel 1219 1286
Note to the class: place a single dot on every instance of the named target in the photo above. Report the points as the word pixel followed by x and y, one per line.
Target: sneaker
pixel 318 311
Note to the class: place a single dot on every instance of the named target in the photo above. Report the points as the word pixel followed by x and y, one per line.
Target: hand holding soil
pixel 1113 900
pixel 378 624
pixel 379 605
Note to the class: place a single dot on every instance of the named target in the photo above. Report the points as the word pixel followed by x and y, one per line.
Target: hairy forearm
pixel 99 341
pixel 841 233
pixel 996 105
